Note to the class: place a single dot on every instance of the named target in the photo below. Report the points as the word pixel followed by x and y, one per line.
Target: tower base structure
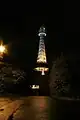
pixel 41 67
pixel 42 82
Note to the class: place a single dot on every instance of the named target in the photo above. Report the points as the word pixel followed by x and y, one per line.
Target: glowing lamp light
pixel 2 49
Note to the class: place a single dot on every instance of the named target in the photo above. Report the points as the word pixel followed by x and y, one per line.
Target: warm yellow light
pixel 35 87
pixel 2 49
pixel 41 69
pixel 42 57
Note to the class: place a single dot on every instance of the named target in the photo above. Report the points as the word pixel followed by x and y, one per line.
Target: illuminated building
pixel 41 59
pixel 35 86
pixel 35 89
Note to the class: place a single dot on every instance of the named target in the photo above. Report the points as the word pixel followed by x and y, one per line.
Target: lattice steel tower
pixel 41 59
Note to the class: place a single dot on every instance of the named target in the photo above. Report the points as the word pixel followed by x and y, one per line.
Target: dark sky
pixel 19 25
pixel 20 32
pixel 19 28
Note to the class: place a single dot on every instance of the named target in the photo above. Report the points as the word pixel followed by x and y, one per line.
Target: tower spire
pixel 41 59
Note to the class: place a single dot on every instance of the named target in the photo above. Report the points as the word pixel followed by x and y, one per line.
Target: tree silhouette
pixel 59 77
pixel 10 76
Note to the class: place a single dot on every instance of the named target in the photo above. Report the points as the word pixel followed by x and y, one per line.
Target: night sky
pixel 20 32
pixel 19 28
pixel 19 25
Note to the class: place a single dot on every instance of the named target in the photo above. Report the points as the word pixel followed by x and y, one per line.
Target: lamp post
pixel 2 50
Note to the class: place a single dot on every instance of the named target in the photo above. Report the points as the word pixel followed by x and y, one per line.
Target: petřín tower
pixel 41 66
pixel 41 59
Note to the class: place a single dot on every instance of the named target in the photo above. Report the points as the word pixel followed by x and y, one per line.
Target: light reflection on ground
pixel 29 108
pixel 34 108
pixel 39 108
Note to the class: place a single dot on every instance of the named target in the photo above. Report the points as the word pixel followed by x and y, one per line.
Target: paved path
pixel 4 101
pixel 34 108
pixel 27 108
pixel 9 109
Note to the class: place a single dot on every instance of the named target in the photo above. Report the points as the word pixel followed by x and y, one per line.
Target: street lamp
pixel 2 50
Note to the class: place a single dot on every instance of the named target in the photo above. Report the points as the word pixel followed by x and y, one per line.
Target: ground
pixel 38 108
pixel 25 108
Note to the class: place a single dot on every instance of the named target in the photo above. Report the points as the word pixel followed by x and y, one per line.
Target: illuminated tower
pixel 41 59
